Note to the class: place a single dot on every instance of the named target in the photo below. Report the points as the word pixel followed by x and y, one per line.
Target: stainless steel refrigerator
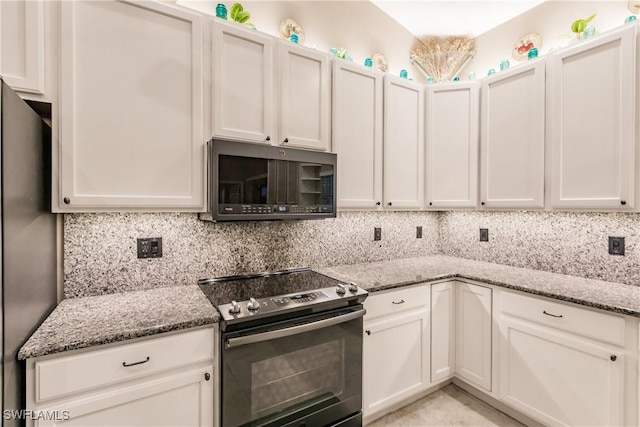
pixel 27 237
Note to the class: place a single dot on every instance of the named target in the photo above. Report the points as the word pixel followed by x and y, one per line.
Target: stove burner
pixel 264 295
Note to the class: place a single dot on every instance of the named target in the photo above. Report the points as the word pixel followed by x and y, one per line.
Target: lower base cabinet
pixel 396 348
pixel 169 380
pixel 558 378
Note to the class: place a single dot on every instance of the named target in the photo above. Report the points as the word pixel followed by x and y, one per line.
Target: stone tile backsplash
pixel 100 249
pixel 572 243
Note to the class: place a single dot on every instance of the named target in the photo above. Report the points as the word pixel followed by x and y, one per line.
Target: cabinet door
pixel 558 378
pixel 131 108
pixel 452 146
pixel 305 85
pixel 242 83
pixel 395 359
pixel 181 399
pixel 403 144
pixel 513 138
pixel 22 45
pixel 473 334
pixel 442 331
pixel 357 134
pixel 592 113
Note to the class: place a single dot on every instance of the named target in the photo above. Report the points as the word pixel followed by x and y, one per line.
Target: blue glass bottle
pixel 221 11
pixel 294 38
pixel 404 74
pixel 368 62
pixel 533 53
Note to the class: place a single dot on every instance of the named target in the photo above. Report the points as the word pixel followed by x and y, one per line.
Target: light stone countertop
pixel 378 276
pixel 85 322
pixel 89 321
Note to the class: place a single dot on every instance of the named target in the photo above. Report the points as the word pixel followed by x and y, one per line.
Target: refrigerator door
pixel 28 237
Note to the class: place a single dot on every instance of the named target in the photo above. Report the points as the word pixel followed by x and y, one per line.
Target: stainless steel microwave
pixel 262 182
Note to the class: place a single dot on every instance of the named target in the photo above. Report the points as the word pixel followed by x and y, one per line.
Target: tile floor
pixel 450 406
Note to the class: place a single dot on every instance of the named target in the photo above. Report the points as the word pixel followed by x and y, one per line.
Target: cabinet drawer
pixel 396 301
pixel 592 324
pixel 65 375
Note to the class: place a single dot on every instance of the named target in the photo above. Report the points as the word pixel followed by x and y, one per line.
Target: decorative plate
pixel 380 62
pixel 288 27
pixel 525 44
pixel 633 6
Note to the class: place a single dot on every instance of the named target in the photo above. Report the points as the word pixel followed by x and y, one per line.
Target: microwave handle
pixel 281 333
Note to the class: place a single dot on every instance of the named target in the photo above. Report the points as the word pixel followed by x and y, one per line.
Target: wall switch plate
pixel 419 232
pixel 377 233
pixel 616 245
pixel 484 234
pixel 150 247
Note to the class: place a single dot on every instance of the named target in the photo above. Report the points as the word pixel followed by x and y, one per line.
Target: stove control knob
pixel 341 289
pixel 235 308
pixel 253 305
pixel 353 288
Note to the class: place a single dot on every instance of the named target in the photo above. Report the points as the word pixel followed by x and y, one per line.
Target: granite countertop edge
pixel 557 296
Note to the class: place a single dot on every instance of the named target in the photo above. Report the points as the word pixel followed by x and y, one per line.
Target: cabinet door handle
pixel 398 302
pixel 623 202
pixel 368 332
pixel 126 365
pixel 389 204
pixel 613 357
pixel 207 376
pixel 66 200
pixel 268 138
pixel 552 315
pixel 482 203
pixel 286 140
pixel 377 203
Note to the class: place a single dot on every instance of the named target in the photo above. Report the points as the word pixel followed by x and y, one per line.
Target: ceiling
pixel 453 17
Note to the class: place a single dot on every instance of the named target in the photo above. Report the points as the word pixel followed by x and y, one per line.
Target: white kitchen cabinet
pixel 164 381
pixel 22 45
pixel 473 334
pixel 403 144
pixel 555 366
pixel 513 137
pixel 443 331
pixel 396 347
pixel 452 145
pixel 269 91
pixel 592 107
pixel 304 97
pixel 243 85
pixel 357 134
pixel 131 136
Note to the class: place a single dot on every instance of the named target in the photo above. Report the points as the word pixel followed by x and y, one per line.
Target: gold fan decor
pixel 442 58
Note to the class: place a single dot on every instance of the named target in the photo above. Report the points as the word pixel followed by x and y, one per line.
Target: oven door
pixel 302 372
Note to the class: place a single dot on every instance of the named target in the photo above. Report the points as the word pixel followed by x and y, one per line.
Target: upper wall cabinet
pixel 513 138
pixel 592 117
pixel 131 108
pixel 403 144
pixel 304 97
pixel 22 45
pixel 357 134
pixel 269 91
pixel 452 145
pixel 243 102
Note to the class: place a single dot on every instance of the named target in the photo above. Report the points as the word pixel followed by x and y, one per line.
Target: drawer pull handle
pixel 126 365
pixel 613 357
pixel 398 302
pixel 368 332
pixel 552 315
pixel 207 376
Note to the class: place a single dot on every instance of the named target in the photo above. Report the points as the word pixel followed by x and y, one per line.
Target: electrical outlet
pixel 419 232
pixel 484 234
pixel 616 245
pixel 377 233
pixel 150 247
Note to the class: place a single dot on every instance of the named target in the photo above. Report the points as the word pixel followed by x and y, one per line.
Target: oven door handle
pixel 281 333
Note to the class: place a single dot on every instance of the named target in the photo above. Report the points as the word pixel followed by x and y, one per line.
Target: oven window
pixel 312 374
